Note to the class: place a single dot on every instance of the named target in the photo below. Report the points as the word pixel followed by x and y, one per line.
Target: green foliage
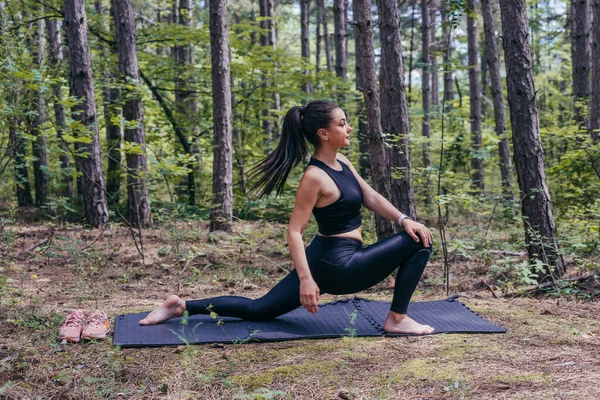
pixel 260 75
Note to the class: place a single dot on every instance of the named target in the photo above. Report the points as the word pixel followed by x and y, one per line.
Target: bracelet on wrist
pixel 402 218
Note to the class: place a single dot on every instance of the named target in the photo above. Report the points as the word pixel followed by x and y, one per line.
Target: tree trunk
pixel 304 14
pixel 426 81
pixel 394 107
pixel 222 212
pixel 412 46
pixel 267 11
pixel 475 99
pixel 138 204
pixel 95 209
pixel 435 85
pixel 111 94
pixel 3 18
pixel 185 98
pixel 496 80
pixel 536 205
pixel 363 162
pixel 17 141
pixel 21 172
pixel 326 38
pixel 37 123
pixel 56 59
pixel 379 176
pixel 595 109
pixel 318 34
pixel 448 94
pixel 484 83
pixel 580 56
pixel 267 38
pixel 340 38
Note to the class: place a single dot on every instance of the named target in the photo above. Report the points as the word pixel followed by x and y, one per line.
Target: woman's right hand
pixel 309 295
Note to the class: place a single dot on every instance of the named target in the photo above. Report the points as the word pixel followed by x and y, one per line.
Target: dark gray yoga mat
pixel 350 317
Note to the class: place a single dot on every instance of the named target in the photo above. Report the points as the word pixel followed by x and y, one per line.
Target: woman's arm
pixel 381 206
pixel 306 197
pixel 371 199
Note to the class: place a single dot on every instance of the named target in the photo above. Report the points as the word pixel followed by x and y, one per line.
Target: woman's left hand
pixel 414 227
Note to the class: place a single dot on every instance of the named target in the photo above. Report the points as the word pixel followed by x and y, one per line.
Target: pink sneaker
pixel 71 329
pixel 96 326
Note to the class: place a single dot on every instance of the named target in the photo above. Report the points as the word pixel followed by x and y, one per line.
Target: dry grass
pixel 551 350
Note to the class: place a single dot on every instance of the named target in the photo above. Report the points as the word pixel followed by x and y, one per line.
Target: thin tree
pixel 412 45
pixel 425 82
pixel 15 131
pixel 138 204
pixel 327 43
pixel 55 61
pixel 340 38
pixel 536 205
pixel 595 109
pixel 185 97
pixel 379 175
pixel 484 80
pixel 111 95
pixel 475 97
pixel 89 157
pixel 394 107
pixel 581 58
pixel 363 162
pixel 446 35
pixel 21 172
pixel 318 37
pixel 435 85
pixel 304 20
pixel 222 211
pixel 500 117
pixel 37 122
pixel 267 38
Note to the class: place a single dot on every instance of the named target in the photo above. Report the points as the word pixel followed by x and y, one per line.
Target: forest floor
pixel 551 349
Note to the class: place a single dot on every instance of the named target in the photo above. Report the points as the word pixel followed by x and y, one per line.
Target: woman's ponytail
pixel 272 172
pixel 300 127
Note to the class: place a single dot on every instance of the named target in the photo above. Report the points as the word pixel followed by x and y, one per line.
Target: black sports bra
pixel 343 215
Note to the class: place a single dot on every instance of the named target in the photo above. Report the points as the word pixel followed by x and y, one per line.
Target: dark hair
pixel 299 126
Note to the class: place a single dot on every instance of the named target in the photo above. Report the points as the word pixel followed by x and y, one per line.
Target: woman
pixel 335 262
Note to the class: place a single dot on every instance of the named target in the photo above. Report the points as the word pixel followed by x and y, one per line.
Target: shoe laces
pixel 73 319
pixel 96 318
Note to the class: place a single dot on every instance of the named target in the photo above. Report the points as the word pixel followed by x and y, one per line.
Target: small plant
pixel 352 320
pixel 510 274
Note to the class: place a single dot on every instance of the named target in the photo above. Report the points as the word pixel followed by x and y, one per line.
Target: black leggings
pixel 338 266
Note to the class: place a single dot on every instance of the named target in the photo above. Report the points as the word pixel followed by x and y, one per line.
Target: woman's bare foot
pixel 171 308
pixel 401 323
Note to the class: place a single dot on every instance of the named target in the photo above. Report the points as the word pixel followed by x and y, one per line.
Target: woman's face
pixel 338 132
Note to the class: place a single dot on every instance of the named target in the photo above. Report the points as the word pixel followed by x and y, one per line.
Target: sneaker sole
pixel 95 337
pixel 70 340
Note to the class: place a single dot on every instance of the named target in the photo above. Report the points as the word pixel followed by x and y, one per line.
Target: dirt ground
pixel 551 349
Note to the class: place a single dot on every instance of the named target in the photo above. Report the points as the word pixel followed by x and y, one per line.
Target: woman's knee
pixel 422 243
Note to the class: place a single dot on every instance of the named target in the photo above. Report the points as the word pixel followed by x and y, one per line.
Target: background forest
pixel 142 118
pixel 460 148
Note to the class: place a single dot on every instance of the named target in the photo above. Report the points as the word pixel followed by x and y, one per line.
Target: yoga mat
pixel 349 317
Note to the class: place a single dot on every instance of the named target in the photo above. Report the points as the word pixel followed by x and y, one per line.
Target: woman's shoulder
pixel 313 174
pixel 343 159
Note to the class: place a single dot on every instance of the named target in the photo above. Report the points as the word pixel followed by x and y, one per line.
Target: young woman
pixel 335 262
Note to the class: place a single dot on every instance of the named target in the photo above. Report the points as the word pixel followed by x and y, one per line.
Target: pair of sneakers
pixel 77 327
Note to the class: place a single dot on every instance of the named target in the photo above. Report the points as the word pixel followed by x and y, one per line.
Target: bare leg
pixel 401 323
pixel 171 308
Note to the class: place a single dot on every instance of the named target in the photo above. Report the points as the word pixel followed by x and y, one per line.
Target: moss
pixel 521 378
pixel 312 348
pixel 422 371
pixel 288 372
